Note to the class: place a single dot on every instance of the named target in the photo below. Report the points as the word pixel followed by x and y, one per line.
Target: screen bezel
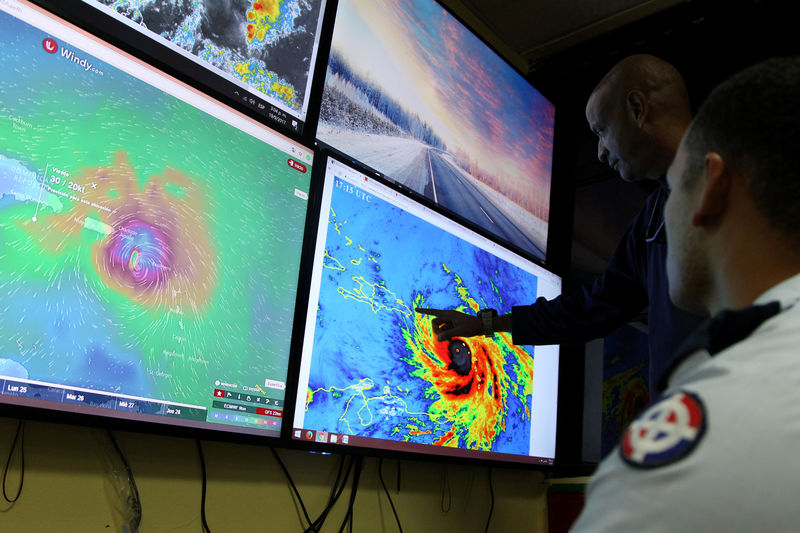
pixel 47 410
pixel 401 451
pixel 159 427
pixel 128 39
pixel 555 255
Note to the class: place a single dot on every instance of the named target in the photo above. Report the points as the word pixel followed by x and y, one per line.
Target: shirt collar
pixel 729 327
pixel 787 292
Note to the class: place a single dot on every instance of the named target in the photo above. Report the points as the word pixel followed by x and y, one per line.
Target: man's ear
pixel 638 106
pixel 717 183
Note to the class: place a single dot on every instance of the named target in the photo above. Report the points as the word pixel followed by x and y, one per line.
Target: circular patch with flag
pixel 666 432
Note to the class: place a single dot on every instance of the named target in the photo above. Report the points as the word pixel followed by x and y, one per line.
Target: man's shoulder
pixel 723 422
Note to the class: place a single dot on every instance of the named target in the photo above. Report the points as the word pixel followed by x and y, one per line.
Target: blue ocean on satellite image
pixel 377 369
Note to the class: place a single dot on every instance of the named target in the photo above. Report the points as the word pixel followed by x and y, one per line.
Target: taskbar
pixel 311 435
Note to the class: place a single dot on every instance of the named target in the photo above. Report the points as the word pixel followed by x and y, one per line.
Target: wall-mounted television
pixel 371 373
pixel 260 54
pixel 413 94
pixel 150 239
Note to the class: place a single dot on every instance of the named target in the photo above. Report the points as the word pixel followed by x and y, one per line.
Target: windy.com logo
pixel 51 47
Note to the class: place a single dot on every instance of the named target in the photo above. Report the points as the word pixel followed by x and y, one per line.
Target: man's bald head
pixel 639 111
pixel 657 79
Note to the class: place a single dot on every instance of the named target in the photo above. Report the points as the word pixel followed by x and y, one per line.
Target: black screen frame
pixel 85 415
pixel 421 451
pixel 150 51
pixel 556 255
pixel 555 263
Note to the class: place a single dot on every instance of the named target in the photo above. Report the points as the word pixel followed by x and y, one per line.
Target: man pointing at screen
pixel 639 112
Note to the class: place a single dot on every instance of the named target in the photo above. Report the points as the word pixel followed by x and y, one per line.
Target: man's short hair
pixel 753 121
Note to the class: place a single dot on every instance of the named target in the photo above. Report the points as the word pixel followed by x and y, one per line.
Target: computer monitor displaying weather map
pixel 260 53
pixel 373 375
pixel 413 94
pixel 150 239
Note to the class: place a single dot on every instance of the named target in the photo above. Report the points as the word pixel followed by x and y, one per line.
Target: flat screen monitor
pixel 150 239
pixel 372 374
pixel 260 53
pixel 413 94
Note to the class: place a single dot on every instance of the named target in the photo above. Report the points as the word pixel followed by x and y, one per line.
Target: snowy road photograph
pixel 412 94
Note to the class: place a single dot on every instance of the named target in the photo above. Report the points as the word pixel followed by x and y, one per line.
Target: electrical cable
pixel 383 484
pixel 491 506
pixel 398 476
pixel 336 491
pixel 19 436
pixel 348 518
pixel 204 486
pixel 446 491
pixel 294 488
pixel 134 502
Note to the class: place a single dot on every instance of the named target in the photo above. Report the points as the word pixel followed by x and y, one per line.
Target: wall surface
pixel 70 470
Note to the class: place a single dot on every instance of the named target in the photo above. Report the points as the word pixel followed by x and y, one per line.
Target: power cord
pixel 133 500
pixel 342 474
pixel 491 506
pixel 447 495
pixel 348 518
pixel 204 486
pixel 336 492
pixel 383 484
pixel 19 436
pixel 311 525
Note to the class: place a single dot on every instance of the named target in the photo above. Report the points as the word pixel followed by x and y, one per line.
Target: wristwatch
pixel 487 317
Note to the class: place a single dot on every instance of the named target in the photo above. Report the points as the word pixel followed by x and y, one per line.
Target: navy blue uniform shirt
pixel 634 280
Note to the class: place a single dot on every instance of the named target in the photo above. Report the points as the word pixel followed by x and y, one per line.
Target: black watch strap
pixel 487 317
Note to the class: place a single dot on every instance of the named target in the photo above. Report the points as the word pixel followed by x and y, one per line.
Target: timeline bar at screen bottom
pixel 65 395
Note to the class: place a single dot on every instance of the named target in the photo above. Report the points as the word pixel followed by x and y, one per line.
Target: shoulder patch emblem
pixel 666 432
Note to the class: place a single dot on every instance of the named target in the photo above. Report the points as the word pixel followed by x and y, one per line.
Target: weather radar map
pixel 147 248
pixel 377 369
pixel 267 45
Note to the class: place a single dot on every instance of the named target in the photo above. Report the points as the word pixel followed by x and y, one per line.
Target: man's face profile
pixel 684 247
pixel 616 133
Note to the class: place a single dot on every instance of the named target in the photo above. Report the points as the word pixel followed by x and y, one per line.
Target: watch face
pixel 486 316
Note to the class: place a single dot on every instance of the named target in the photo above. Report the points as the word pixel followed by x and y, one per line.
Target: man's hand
pixel 449 324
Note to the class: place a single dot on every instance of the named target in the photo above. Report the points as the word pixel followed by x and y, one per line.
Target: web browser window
pixel 150 238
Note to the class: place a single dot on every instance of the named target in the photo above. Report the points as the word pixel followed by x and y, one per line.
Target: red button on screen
pixel 297 165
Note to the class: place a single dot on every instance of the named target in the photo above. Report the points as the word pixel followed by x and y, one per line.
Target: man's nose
pixel 602 153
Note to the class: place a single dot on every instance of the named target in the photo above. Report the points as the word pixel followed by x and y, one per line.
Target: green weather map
pixel 146 248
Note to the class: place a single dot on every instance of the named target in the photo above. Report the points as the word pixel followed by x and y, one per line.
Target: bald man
pixel 716 452
pixel 639 112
